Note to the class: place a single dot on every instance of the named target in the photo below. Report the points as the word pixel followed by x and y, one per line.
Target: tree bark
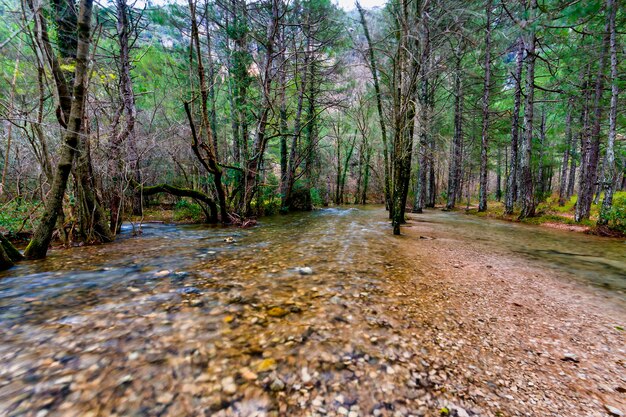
pixel 526 181
pixel 591 150
pixel 484 149
pixel 182 192
pixel 379 106
pixel 512 180
pixel 204 147
pixel 566 152
pixel 128 110
pixel 610 172
pixel 456 152
pixel 38 246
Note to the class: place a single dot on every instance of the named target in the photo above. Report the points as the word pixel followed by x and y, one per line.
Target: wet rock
pixel 570 357
pixel 305 270
pixel 197 302
pixel 190 291
pixel 614 411
pixel 277 385
pixel 335 299
pixel 277 312
pixel 306 377
pixel 247 374
pixel 228 385
pixel 460 412
pixel 266 365
pixel 162 273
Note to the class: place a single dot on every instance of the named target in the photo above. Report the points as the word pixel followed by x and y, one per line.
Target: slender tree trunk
pixel 456 154
pixel 254 161
pixel 38 246
pixel 609 180
pixel 512 180
pixel 591 152
pixel 128 111
pixel 379 107
pixel 484 149
pixel 282 80
pixel 540 163
pixel 293 162
pixel 526 182
pixel 566 152
pixel 366 176
pixel 499 176
pixel 209 160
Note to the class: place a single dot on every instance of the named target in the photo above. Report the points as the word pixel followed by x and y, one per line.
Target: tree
pixel 609 180
pixel 38 246
pixel 526 181
pixel 484 150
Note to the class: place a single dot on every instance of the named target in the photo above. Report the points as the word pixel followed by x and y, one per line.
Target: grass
pixel 550 211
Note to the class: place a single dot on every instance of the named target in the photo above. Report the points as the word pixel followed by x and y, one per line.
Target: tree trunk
pixel 566 152
pixel 591 150
pixel 609 180
pixel 366 176
pixel 38 246
pixel 379 107
pixel 205 149
pixel 128 111
pixel 540 164
pixel 526 181
pixel 484 149
pixel 456 152
pixel 5 261
pixel 512 180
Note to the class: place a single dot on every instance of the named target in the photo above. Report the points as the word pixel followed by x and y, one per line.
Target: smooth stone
pixel 614 411
pixel 228 385
pixel 277 385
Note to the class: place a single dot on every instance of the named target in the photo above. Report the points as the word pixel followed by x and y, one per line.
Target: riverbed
pixel 322 313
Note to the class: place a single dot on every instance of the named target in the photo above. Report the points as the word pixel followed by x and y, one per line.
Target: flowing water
pixel 187 318
pixel 590 259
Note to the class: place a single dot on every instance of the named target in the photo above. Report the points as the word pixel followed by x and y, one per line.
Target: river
pixel 283 316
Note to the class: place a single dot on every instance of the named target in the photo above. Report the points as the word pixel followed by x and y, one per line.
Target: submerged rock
pixel 277 385
pixel 614 411
pixel 305 270
pixel 266 365
pixel 277 312
pixel 228 385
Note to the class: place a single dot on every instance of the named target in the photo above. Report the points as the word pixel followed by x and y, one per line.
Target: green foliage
pixel 616 217
pixel 186 210
pixel 14 213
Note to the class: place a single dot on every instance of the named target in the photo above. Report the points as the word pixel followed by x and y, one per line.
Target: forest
pixel 230 111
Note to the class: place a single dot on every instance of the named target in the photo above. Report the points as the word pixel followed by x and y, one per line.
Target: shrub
pixel 14 213
pixel 186 210
pixel 616 217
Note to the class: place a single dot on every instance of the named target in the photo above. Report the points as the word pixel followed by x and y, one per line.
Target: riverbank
pixel 514 338
pixel 552 215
